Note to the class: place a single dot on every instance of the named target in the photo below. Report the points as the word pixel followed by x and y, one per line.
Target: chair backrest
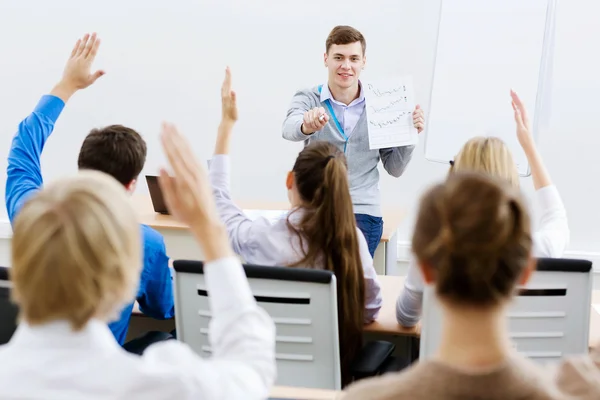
pixel 8 310
pixel 550 317
pixel 301 302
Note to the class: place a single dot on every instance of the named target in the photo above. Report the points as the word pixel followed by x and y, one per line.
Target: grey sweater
pixel 363 174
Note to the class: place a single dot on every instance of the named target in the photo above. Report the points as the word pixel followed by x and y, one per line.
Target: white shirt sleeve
pixel 410 301
pixel 242 338
pixel 242 231
pixel 552 236
pixel 373 296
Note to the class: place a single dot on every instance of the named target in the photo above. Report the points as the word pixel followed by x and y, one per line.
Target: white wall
pixel 167 63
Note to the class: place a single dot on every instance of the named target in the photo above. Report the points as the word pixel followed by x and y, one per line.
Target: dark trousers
pixel 372 228
pixel 139 345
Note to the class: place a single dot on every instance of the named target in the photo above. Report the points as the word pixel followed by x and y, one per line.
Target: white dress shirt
pixel 550 240
pixel 263 242
pixel 53 362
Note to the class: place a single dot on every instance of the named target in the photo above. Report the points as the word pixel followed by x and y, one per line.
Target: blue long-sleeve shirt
pixel 24 178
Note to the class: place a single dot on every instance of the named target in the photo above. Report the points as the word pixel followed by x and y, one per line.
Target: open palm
pixel 77 72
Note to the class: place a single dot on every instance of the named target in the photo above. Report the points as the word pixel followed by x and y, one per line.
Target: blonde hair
pixel 488 155
pixel 76 252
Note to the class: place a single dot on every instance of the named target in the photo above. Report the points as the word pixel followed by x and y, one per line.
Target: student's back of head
pixel 115 150
pixel 473 239
pixel 75 251
pixel 488 155
pixel 328 228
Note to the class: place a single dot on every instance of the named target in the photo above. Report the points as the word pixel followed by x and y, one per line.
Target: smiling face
pixel 345 63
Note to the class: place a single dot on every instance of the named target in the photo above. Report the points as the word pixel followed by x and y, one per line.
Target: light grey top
pixel 362 162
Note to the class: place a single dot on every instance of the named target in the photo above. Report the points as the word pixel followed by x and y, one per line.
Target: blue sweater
pixel 155 293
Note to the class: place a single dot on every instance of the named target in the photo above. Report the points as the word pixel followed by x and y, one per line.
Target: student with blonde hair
pixel 319 232
pixel 491 156
pixel 473 243
pixel 76 263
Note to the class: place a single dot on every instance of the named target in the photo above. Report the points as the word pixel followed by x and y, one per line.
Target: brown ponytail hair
pixel 473 232
pixel 328 227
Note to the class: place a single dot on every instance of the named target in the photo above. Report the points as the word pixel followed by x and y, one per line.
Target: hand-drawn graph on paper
pixel 390 105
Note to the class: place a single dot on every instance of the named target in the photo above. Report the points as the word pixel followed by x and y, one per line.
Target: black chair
pixel 8 310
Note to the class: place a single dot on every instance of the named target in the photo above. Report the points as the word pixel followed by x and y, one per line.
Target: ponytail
pixel 328 228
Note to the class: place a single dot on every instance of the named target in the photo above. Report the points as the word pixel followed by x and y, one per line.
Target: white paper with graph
pixel 390 104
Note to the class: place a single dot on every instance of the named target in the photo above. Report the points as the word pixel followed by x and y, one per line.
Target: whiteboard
pixel 484 49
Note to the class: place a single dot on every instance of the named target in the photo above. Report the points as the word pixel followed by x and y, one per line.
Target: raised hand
pixel 419 118
pixel 228 100
pixel 77 73
pixel 314 120
pixel 188 194
pixel 522 121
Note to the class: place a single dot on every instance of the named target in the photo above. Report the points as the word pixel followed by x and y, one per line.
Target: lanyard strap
pixel 335 120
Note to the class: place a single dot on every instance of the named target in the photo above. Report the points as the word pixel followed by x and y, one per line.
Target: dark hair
pixel 474 232
pixel 328 227
pixel 115 150
pixel 344 34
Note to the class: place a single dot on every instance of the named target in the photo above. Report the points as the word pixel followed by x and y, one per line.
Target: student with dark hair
pixel 115 150
pixel 76 263
pixel 319 232
pixel 473 243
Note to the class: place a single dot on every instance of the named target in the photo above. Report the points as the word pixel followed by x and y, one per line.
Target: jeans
pixel 372 228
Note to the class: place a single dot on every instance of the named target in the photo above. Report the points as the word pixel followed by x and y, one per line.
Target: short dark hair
pixel 344 34
pixel 115 150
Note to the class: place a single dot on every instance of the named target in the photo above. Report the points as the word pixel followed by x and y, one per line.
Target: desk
pixel 295 393
pixel 181 245
pixel 386 323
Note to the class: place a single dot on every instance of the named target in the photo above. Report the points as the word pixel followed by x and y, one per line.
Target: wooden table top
pixel 296 393
pixel 391 286
pixel 143 205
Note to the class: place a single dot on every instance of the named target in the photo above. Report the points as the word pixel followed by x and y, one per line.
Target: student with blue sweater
pixel 335 112
pixel 116 150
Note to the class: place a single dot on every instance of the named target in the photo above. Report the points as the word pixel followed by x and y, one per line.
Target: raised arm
pixel 540 175
pixel 303 119
pixel 396 159
pixel 242 335
pixel 24 175
pixel 553 234
pixel 241 230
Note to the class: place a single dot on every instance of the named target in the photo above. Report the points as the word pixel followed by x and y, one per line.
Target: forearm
pixel 292 128
pixel 408 307
pixel 213 239
pixel 224 137
pixel 396 159
pixel 539 174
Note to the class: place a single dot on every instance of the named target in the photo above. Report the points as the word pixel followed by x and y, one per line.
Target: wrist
pixel 213 240
pixel 226 124
pixel 304 130
pixel 223 137
pixel 64 90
